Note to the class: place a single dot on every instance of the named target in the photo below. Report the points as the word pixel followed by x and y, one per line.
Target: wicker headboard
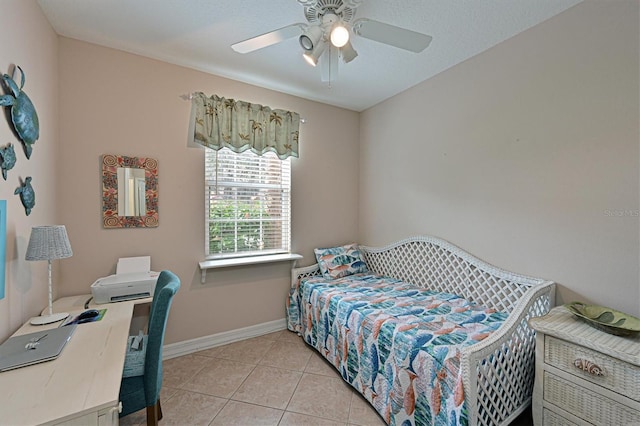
pixel 436 264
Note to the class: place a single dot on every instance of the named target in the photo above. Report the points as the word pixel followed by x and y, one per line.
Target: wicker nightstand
pixel 583 375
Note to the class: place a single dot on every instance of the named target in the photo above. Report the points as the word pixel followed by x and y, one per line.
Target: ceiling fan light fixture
pixel 312 56
pixel 348 53
pixel 339 35
pixel 310 38
pixel 330 27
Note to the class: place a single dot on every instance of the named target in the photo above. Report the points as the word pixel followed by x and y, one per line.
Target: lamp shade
pixel 48 243
pixel 348 53
pixel 313 56
pixel 311 37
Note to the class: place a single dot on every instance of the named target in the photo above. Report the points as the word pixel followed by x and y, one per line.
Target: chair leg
pixel 154 414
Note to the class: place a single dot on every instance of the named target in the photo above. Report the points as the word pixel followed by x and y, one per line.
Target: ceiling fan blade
pixel 308 3
pixel 352 3
pixel 392 35
pixel 268 39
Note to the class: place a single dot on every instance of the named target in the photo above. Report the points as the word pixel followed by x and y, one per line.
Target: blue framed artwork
pixel 3 243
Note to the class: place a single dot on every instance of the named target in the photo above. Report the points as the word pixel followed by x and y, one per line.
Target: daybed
pixel 427 333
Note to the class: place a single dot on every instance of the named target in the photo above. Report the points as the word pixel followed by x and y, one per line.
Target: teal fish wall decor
pixel 8 155
pixel 27 195
pixel 23 113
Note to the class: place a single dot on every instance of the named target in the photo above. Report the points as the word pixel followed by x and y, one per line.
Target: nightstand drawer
pixel 594 367
pixel 587 404
pixel 549 418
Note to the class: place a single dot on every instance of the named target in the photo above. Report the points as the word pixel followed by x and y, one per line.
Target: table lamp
pixel 48 243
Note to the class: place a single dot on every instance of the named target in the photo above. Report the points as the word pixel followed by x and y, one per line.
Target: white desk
pixel 81 386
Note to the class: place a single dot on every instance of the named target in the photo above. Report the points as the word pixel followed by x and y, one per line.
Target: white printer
pixel 133 280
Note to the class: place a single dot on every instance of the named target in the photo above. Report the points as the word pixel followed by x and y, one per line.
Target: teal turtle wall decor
pixel 23 113
pixel 8 155
pixel 27 195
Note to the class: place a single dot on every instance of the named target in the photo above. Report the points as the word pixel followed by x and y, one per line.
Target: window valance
pixel 226 123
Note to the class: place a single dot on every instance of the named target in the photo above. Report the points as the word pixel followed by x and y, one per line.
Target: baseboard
pixel 186 347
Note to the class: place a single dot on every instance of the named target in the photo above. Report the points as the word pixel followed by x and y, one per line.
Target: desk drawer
pixel 617 375
pixel 586 404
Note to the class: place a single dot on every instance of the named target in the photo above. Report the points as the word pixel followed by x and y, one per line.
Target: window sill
pixel 241 261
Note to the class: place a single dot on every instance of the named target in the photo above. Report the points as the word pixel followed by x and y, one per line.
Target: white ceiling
pixel 198 34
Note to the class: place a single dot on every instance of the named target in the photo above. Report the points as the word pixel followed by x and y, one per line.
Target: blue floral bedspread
pixel 397 344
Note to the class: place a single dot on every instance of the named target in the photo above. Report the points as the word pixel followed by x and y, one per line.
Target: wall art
pixel 8 156
pixel 23 113
pixel 27 195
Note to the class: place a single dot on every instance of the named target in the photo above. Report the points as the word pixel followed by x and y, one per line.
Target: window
pixel 247 204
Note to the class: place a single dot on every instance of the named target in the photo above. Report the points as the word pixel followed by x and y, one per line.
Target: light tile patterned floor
pixel 274 379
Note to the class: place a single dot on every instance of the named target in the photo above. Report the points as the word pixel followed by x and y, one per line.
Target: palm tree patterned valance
pixel 226 123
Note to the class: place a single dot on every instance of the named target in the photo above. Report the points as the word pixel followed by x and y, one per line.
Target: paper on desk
pixel 127 265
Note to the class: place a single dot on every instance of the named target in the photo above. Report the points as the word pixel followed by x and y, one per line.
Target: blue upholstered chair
pixel 143 391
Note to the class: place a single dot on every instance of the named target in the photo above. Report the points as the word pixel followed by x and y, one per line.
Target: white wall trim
pixel 186 347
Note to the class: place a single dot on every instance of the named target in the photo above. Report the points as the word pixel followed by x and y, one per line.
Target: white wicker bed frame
pixel 498 372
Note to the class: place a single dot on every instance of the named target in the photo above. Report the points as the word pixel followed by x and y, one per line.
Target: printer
pixel 133 280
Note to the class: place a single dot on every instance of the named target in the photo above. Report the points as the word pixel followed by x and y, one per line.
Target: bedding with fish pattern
pixel 397 344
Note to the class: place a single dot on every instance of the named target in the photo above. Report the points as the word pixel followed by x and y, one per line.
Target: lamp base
pixel 48 319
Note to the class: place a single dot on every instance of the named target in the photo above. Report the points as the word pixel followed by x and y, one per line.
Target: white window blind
pixel 247 204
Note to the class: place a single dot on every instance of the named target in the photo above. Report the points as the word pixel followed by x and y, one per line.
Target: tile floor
pixel 274 379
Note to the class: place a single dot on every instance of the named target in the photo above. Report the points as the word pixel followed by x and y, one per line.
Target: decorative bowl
pixel 606 319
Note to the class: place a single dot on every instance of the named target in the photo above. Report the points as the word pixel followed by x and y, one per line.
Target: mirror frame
pixel 110 218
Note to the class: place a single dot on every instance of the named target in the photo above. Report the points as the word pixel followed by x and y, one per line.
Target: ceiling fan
pixel 328 30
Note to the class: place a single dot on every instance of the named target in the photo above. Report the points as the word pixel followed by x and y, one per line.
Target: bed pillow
pixel 338 262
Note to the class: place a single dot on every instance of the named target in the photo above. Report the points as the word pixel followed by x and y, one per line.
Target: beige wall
pixel 118 103
pixel 523 155
pixel 29 41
